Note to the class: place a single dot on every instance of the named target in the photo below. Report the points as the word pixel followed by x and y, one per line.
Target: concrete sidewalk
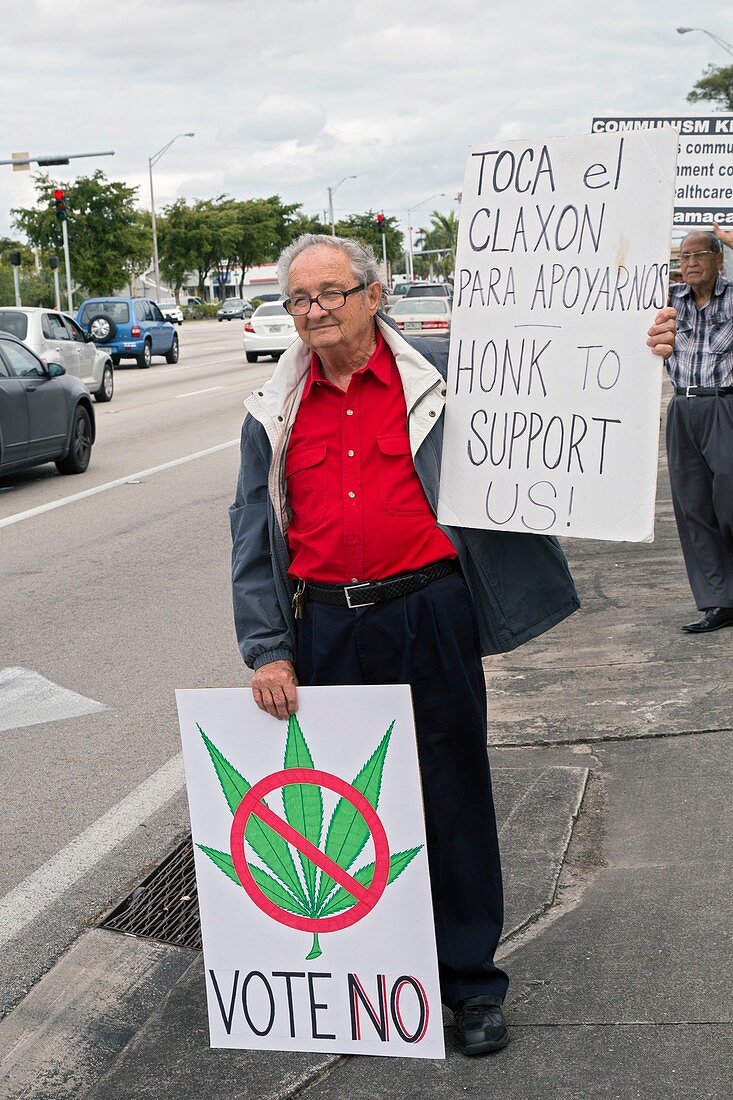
pixel 612 776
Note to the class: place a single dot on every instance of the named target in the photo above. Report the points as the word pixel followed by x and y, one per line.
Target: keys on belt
pixel 368 593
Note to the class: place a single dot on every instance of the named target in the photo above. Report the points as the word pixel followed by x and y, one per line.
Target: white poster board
pixel 552 414
pixel 704 186
pixel 314 895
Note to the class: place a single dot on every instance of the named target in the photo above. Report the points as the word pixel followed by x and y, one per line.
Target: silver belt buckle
pixel 687 391
pixel 347 593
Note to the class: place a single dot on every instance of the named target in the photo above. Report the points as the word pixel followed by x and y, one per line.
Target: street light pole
pixel 410 254
pixel 331 192
pixel 716 38
pixel 151 161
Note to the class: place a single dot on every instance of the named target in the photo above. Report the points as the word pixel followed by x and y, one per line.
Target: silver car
pixel 56 337
pixel 269 331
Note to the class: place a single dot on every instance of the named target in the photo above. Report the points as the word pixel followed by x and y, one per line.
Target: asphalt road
pixel 120 596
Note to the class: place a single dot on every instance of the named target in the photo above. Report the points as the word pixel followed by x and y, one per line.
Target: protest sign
pixel 312 872
pixel 704 187
pixel 552 412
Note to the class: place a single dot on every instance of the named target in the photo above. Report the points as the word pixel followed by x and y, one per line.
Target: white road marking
pixel 193 393
pixel 41 508
pixel 27 699
pixel 36 893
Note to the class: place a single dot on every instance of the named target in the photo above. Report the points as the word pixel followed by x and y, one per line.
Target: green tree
pixel 714 86
pixel 439 239
pixel 36 284
pixel 366 228
pixel 109 240
pixel 265 227
pixel 175 228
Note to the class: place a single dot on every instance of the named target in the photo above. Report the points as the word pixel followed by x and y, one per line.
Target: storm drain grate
pixel 164 905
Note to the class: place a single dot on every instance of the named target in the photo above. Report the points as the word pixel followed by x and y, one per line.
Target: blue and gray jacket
pixel 520 583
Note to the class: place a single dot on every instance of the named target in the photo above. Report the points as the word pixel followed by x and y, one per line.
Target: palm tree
pixel 440 238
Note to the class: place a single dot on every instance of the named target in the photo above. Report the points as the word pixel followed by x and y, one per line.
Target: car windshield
pixel 276 309
pixel 119 312
pixel 15 323
pixel 426 291
pixel 421 305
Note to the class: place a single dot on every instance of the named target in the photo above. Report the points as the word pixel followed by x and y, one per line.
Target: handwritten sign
pixel 552 415
pixel 312 872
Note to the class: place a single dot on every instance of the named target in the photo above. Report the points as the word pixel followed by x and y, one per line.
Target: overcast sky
pixel 288 97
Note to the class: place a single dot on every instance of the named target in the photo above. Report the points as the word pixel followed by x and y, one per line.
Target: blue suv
pixel 129 328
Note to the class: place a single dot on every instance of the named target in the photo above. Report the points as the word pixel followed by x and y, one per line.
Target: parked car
pixel 46 415
pixel 171 311
pixel 129 328
pixel 429 290
pixel 193 300
pixel 422 316
pixel 398 291
pixel 269 331
pixel 56 337
pixel 234 308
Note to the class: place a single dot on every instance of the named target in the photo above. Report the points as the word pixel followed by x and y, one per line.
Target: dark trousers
pixel 429 641
pixel 700 458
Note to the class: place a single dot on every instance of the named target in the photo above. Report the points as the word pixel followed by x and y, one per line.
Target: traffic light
pixel 380 223
pixel 59 198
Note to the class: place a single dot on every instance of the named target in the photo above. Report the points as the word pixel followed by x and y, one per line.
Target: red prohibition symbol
pixel 367 897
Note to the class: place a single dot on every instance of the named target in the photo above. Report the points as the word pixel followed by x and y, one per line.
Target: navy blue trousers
pixel 429 640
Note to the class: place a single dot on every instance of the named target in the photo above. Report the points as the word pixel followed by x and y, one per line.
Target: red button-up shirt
pixel 358 509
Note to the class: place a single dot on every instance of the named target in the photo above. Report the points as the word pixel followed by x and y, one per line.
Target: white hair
pixel 361 257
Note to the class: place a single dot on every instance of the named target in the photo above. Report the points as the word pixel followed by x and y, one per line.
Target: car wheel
pixel 252 356
pixel 220 319
pixel 107 385
pixel 172 355
pixel 80 450
pixel 144 360
pixel 102 328
pixel 115 360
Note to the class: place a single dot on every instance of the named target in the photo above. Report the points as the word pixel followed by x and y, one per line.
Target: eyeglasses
pixel 327 299
pixel 685 256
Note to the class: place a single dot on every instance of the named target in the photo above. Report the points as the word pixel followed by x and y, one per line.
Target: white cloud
pixel 289 97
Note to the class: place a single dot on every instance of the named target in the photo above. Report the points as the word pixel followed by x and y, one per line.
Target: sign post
pixel 552 414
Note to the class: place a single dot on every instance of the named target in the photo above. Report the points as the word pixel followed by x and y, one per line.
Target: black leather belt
pixel 371 592
pixel 703 391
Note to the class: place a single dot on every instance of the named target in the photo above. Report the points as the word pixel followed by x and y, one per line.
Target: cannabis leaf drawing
pixel 298 885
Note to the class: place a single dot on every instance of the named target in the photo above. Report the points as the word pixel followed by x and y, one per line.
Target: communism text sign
pixel 552 415
pixel 312 873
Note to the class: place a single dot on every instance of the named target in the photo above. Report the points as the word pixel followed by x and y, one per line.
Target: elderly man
pixel 700 427
pixel 341 575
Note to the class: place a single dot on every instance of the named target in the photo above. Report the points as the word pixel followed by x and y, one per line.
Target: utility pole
pixel 15 261
pixel 331 193
pixel 151 161
pixel 67 265
pixel 53 263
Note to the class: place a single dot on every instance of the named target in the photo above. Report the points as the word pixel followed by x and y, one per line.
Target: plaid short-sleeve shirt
pixel 703 347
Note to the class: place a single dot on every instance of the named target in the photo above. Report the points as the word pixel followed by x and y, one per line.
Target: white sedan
pixel 171 311
pixel 55 337
pixel 422 316
pixel 269 331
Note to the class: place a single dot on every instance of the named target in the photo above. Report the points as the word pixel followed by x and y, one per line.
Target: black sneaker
pixel 481 1027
